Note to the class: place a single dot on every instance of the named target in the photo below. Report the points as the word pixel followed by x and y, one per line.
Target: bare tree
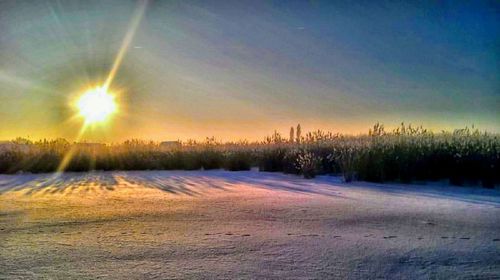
pixel 299 132
pixel 292 134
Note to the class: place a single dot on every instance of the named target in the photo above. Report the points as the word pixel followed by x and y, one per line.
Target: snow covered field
pixel 218 224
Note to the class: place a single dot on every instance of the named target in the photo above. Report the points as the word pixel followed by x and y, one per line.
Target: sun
pixel 96 105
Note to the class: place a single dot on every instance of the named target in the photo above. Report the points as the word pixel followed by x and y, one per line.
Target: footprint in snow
pixel 390 237
pixel 496 239
pixel 465 238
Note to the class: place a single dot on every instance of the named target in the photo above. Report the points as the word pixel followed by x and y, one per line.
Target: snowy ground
pixel 217 224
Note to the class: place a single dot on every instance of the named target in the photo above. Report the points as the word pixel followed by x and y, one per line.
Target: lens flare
pixel 96 105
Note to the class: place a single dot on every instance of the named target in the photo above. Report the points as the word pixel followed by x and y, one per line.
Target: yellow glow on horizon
pixel 96 105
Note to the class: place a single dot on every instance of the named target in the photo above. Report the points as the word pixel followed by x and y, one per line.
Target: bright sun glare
pixel 96 105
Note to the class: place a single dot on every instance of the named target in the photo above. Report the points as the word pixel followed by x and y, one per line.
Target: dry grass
pixel 404 154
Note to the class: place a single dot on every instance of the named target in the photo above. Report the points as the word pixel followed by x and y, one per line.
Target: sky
pixel 242 69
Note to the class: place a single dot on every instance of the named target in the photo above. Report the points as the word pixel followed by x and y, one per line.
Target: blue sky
pixel 240 69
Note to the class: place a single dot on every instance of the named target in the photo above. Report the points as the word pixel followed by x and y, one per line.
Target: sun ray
pixel 90 117
pixel 69 154
pixel 134 24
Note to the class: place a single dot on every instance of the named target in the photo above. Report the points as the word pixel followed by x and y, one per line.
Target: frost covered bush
pixel 308 164
pixel 346 158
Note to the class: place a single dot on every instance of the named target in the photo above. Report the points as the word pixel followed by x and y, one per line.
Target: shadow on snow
pixel 190 183
pixel 195 183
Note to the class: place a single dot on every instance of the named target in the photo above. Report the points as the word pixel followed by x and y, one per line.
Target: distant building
pixel 170 145
pixel 9 146
pixel 6 145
